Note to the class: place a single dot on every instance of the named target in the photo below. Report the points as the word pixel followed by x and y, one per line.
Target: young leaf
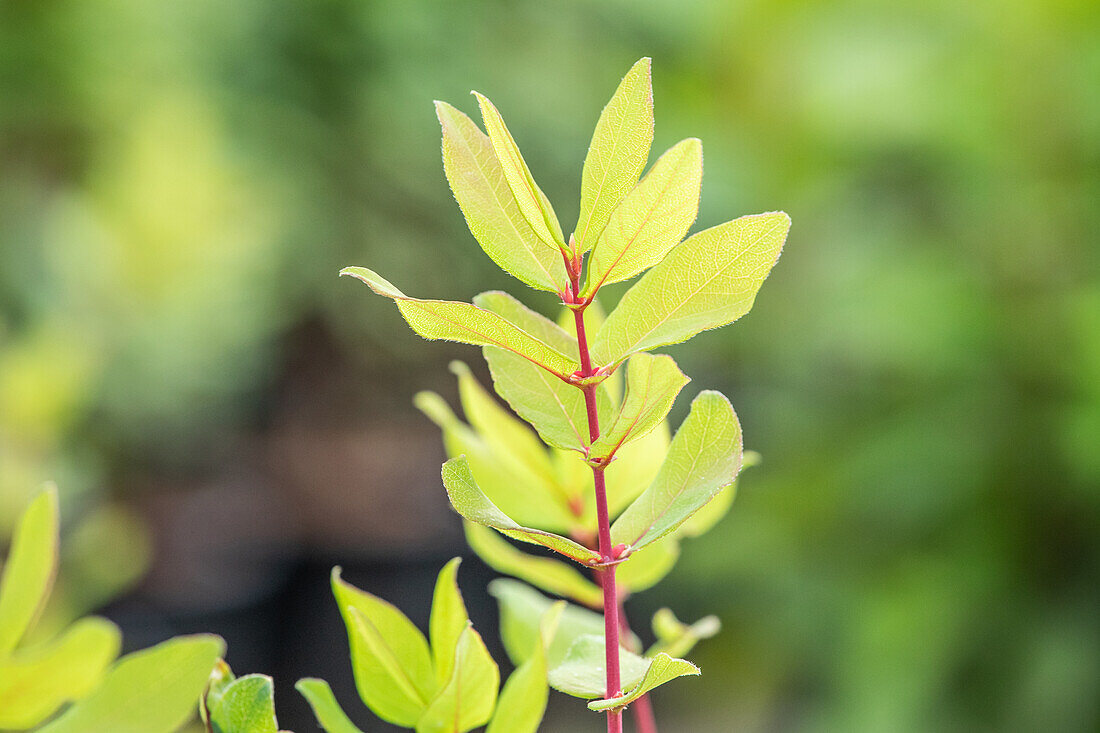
pixel 710 280
pixel 522 702
pixel 550 333
pixel 635 467
pixel 150 691
pixel 648 566
pixel 466 701
pixel 35 682
pixel 709 515
pixel 543 500
pixel 617 154
pixel 652 218
pixel 221 677
pixel 466 323
pixel 469 501
pixel 581 672
pixel 247 705
pixel 29 570
pixel 532 201
pixel 662 668
pixel 494 216
pixel 704 457
pixel 652 383
pixel 676 638
pixel 545 572
pixel 328 712
pixel 448 620
pixel 389 656
pixel 521 607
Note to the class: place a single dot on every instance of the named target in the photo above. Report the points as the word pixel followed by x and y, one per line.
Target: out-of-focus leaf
pixel 652 383
pixel 467 699
pixel 520 608
pixel 221 677
pixel 247 705
pixel 466 323
pixel 581 672
pixel 522 702
pixel 652 218
pixel 635 466
pixel 328 712
pixel 676 638
pixel 545 502
pixel 648 566
pixel 704 457
pixel 547 573
pixel 29 570
pixel 389 655
pixel 469 501
pixel 448 620
pixel 491 210
pixel 36 681
pixel 150 691
pixel 710 280
pixel 662 669
pixel 617 154
pixel 532 201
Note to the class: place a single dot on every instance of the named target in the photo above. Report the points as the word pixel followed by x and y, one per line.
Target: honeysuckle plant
pixel 588 470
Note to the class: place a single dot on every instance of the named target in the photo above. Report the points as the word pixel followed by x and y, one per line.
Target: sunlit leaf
pixel 467 699
pixel 522 702
pixel 29 570
pixel 389 655
pixel 448 620
pixel 532 201
pixel 547 573
pixel 494 216
pixel 466 323
pixel 662 669
pixel 581 671
pixel 652 218
pixel 617 154
pixel 635 467
pixel 328 712
pixel 550 333
pixel 652 383
pixel 543 501
pixel 676 638
pixel 709 280
pixel 247 705
pixel 648 566
pixel 704 457
pixel 469 501
pixel 36 681
pixel 151 691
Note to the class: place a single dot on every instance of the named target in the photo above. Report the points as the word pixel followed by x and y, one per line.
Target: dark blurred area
pixel 920 550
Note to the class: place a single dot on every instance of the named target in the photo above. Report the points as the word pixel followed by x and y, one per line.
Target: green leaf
pixel 448 620
pixel 494 216
pixel 652 383
pixel 543 500
pixel 662 669
pixel 247 705
pixel 328 712
pixel 36 681
pixel 523 700
pixel 536 324
pixel 469 501
pixel 466 701
pixel 532 201
pixel 150 691
pixel 466 323
pixel 617 154
pixel 29 570
pixel 704 457
pixel 581 672
pixel 634 468
pixel 652 218
pixel 221 677
pixel 547 573
pixel 676 638
pixel 521 607
pixel 389 655
pixel 710 280
pixel 648 566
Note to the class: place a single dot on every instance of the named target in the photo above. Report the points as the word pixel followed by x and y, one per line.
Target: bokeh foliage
pixel 181 182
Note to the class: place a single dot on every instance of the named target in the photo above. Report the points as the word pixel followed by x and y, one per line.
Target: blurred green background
pixel 920 551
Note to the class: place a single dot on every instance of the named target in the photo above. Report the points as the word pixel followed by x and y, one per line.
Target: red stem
pixel 607 575
pixel 642 709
